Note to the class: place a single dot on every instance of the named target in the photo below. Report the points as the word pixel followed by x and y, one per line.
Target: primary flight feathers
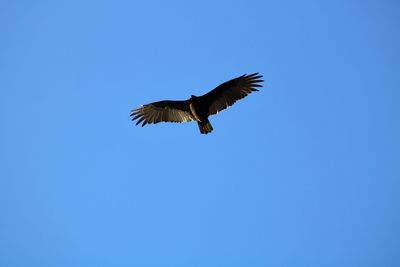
pixel 198 108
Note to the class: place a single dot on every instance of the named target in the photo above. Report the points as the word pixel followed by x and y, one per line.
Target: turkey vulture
pixel 198 108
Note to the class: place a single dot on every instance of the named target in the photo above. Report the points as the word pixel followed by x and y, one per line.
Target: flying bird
pixel 198 108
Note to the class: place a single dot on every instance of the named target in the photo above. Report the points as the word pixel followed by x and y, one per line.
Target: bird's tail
pixel 205 127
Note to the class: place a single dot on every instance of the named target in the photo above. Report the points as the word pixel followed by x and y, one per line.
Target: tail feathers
pixel 205 127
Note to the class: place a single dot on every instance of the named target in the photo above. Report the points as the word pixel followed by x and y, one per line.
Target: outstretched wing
pixel 167 110
pixel 228 93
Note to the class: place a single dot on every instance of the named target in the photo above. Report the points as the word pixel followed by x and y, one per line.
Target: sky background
pixel 303 173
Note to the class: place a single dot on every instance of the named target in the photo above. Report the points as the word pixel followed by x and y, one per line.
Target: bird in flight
pixel 198 108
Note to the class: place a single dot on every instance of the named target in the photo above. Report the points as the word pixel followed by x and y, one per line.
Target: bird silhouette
pixel 198 108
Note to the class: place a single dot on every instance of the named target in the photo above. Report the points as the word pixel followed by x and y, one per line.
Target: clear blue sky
pixel 304 173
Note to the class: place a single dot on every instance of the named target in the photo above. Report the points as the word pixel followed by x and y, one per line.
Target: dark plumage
pixel 198 108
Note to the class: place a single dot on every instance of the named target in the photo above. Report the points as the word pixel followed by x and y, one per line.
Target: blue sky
pixel 303 173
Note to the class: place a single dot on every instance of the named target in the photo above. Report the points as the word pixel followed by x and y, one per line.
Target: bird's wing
pixel 228 93
pixel 167 110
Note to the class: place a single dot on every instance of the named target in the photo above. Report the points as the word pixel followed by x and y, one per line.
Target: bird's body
pixel 200 113
pixel 198 108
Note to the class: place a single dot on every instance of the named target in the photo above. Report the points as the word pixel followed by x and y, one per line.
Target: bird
pixel 198 108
